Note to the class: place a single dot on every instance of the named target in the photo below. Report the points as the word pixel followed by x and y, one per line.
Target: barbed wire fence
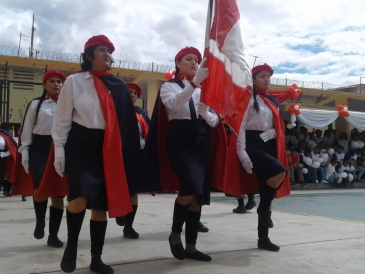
pixel 153 67
pixel 76 58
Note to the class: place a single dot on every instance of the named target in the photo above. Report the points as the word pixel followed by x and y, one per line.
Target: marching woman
pixel 96 141
pixel 184 156
pixel 35 147
pixel 135 92
pixel 261 148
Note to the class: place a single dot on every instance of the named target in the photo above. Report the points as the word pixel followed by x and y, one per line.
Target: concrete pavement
pixel 309 244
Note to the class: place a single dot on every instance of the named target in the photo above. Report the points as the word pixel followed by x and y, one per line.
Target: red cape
pixel 230 177
pixel 52 184
pixel 10 161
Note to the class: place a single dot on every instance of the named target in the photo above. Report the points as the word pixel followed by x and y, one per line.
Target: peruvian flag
pixel 227 90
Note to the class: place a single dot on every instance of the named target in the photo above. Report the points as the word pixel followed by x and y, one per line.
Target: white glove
pixel 59 165
pixel 25 160
pixel 202 109
pixel 268 134
pixel 246 161
pixel 4 154
pixel 201 74
pixel 142 144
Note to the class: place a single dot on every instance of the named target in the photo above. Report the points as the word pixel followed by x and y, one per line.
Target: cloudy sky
pixel 310 40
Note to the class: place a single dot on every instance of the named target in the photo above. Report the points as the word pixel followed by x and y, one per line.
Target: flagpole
pixel 206 50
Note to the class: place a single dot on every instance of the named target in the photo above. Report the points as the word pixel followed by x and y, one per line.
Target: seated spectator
pixel 339 155
pixel 344 166
pixel 320 170
pixel 331 175
pixel 358 162
pixel 311 176
pixel 330 133
pixel 344 142
pixel 327 139
pixel 318 138
pixel 291 137
pixel 303 134
pixel 295 168
pixel 311 142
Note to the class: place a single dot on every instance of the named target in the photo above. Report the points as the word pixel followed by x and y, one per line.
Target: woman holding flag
pixel 261 149
pixel 35 148
pixel 96 140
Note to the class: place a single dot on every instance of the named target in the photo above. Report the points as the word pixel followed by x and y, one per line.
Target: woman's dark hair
pixel 254 93
pixel 86 64
pixel 39 104
pixel 177 70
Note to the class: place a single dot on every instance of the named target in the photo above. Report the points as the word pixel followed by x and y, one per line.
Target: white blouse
pixel 78 102
pixel 43 125
pixel 176 101
pixel 261 121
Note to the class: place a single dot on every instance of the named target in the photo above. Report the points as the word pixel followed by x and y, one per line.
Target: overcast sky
pixel 311 40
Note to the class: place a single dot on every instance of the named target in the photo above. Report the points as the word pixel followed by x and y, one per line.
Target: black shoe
pixel 68 262
pixel 240 209
pixel 130 233
pixel 267 245
pixel 39 230
pixel 199 256
pixel 177 250
pixel 98 266
pixel 202 228
pixel 24 198
pixel 251 203
pixel 120 220
pixel 265 217
pixel 54 241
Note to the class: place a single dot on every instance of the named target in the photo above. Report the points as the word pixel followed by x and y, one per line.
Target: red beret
pixel 264 67
pixel 53 73
pixel 188 50
pixel 136 87
pixel 99 40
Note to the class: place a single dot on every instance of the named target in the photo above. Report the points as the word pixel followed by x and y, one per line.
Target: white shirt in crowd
pixel 342 168
pixel 2 143
pixel 315 157
pixel 261 121
pixel 318 139
pixel 44 121
pixel 176 101
pixel 345 144
pixel 330 169
pixel 78 102
pixel 311 144
pixel 340 156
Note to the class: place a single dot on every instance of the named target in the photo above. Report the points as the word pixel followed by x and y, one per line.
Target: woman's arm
pixel 28 125
pixel 175 100
pixel 62 121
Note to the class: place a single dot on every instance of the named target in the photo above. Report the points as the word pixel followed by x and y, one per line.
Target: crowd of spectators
pixel 319 157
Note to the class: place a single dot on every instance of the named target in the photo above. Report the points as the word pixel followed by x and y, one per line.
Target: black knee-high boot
pixel 178 220
pixel 55 218
pixel 128 230
pixel 97 236
pixel 179 217
pixel 267 194
pixel 264 241
pixel 191 234
pixel 74 224
pixel 40 214
pixel 191 227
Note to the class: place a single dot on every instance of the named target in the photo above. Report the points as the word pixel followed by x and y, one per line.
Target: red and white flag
pixel 227 90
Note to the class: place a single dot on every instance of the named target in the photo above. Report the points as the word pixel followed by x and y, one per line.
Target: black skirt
pixel 190 162
pixel 263 156
pixel 84 166
pixel 38 155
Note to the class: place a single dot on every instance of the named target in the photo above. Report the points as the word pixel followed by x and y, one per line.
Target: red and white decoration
pixel 322 118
